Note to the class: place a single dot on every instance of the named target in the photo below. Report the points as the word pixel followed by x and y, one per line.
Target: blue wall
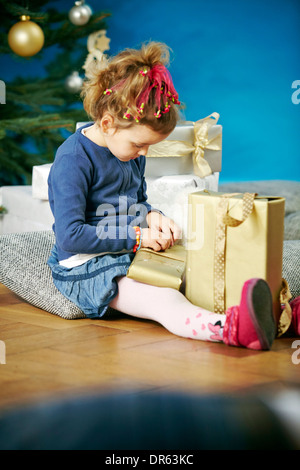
pixel 238 58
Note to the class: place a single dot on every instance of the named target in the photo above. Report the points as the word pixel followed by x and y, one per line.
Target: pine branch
pixel 36 124
pixel 63 33
pixel 39 111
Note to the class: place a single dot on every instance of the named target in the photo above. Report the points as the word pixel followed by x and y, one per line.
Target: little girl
pixel 97 194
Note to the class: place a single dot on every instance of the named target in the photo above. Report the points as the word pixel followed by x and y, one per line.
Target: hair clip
pixel 173 98
pixel 141 108
pixel 108 91
pixel 167 108
pixel 157 114
pixel 143 72
pixel 126 115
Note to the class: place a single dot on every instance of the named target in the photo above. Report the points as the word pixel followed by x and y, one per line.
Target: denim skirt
pixel 92 285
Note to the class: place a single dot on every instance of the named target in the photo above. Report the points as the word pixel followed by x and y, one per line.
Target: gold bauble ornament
pixel 26 38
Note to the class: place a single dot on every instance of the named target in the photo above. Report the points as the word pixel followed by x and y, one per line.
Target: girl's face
pixel 130 143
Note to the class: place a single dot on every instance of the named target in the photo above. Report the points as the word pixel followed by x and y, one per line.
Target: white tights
pixel 168 307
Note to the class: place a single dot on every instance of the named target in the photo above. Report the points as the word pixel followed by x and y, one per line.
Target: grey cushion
pixel 291 265
pixel 290 190
pixel 24 270
pixel 292 226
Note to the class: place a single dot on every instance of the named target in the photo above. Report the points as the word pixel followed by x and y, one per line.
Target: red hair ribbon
pixel 160 79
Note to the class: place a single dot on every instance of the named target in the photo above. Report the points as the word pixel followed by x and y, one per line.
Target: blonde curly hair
pixel 134 87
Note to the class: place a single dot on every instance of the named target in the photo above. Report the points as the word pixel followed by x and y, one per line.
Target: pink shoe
pixel 251 324
pixel 294 328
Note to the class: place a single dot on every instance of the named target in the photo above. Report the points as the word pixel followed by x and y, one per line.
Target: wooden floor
pixel 49 357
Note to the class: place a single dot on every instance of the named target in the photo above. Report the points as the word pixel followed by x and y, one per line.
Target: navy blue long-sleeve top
pixel 96 199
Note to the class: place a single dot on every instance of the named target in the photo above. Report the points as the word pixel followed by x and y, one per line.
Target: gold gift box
pixel 220 258
pixel 162 269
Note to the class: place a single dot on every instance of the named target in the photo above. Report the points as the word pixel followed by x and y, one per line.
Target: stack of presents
pixel 226 238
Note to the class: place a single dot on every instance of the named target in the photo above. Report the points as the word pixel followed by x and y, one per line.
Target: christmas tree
pixel 40 112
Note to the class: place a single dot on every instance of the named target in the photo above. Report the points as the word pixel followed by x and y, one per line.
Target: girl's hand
pixel 162 232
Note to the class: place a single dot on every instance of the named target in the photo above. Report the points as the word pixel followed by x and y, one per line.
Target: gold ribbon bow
pixel 224 220
pixel 171 148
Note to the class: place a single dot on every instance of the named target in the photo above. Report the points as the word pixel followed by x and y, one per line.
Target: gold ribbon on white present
pixel 202 142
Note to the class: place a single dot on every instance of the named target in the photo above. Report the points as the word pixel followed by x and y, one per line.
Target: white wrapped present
pixel 192 148
pixel 40 175
pixel 24 213
pixel 169 194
